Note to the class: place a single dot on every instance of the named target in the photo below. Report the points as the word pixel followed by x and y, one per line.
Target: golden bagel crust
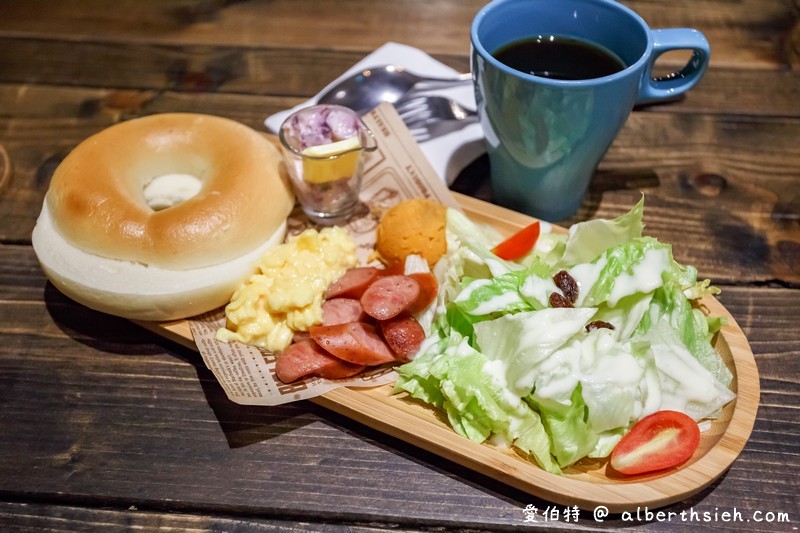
pixel 96 196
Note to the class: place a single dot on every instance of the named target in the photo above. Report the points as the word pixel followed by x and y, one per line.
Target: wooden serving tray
pixel 586 484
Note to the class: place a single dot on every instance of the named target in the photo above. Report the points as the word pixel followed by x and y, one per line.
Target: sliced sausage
pixel 353 283
pixel 355 342
pixel 428 287
pixel 342 311
pixel 393 269
pixel 300 336
pixel 389 296
pixel 341 370
pixel 306 358
pixel 404 336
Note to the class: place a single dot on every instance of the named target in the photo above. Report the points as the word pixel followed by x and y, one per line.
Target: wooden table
pixel 105 425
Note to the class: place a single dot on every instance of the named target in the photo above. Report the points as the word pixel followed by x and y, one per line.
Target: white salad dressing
pixel 525 339
pixel 464 349
pixel 626 317
pixel 496 369
pixel 538 289
pixel 585 275
pixel 466 294
pixel 498 303
pixel 610 377
pixel 498 267
pixel 552 326
pixel 559 374
pixel 646 276
pixel 608 372
pixel 606 361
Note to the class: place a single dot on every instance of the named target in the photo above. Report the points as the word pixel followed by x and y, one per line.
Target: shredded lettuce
pixel 505 366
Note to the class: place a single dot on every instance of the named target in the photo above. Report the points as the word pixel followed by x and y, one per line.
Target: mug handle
pixel 653 89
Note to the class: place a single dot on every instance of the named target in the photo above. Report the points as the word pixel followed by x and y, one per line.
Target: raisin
pixel 597 324
pixel 567 284
pixel 556 300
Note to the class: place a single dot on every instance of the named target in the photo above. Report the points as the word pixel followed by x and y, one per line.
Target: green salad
pixel 565 382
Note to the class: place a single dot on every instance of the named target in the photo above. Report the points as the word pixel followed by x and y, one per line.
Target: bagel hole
pixel 169 190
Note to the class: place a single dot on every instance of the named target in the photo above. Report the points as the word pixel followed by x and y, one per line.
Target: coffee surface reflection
pixel 559 58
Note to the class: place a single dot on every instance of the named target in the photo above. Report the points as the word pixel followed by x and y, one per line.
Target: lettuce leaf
pixel 637 266
pixel 503 365
pixel 512 292
pixel 693 329
pixel 456 378
pixel 568 429
pixel 587 240
pixel 686 385
pixel 525 339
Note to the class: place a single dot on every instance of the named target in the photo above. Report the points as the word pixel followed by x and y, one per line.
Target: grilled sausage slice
pixel 354 342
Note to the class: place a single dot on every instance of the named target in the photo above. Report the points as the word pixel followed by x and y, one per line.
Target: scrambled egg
pixel 286 292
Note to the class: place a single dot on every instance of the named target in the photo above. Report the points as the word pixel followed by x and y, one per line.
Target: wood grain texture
pixel 134 420
pixel 66 518
pixel 106 426
pixel 263 71
pixel 738 207
pixel 441 28
pixel 5 168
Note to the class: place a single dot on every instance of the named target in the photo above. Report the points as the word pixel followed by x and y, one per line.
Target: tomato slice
pixel 518 244
pixel 658 441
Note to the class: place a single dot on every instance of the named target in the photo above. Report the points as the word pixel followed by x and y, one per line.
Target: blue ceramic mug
pixel 546 136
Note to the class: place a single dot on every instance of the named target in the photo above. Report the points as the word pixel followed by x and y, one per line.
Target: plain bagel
pixel 102 244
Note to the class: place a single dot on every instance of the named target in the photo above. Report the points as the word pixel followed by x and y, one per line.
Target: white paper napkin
pixel 448 154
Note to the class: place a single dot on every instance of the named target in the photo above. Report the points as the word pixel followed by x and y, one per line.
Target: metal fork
pixel 428 117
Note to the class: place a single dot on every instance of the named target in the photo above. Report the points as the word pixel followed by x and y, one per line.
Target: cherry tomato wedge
pixel 658 441
pixel 518 244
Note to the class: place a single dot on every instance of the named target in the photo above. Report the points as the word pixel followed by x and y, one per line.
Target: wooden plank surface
pixel 745 32
pixel 132 419
pixel 737 205
pixel 107 426
pixel 69 518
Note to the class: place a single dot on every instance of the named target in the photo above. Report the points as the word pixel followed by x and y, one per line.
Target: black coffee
pixel 559 58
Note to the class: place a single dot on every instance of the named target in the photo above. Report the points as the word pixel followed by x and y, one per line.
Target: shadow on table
pixel 242 425
pixel 474 181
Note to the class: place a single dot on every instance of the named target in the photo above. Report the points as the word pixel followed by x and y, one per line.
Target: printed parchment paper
pixel 397 170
